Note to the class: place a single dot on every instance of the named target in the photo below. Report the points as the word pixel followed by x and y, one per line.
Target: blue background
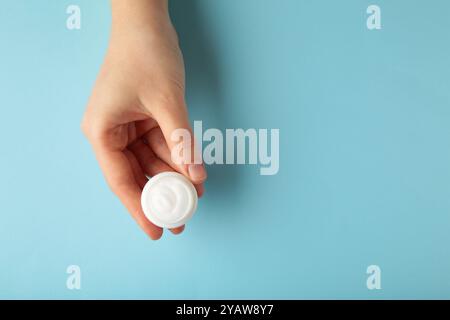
pixel 364 174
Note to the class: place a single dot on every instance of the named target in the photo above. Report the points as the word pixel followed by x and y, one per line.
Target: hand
pixel 137 102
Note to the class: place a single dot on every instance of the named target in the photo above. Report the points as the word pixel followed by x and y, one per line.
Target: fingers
pixel 139 175
pixel 153 161
pixel 152 165
pixel 157 143
pixel 142 127
pixel 200 189
pixel 148 161
pixel 177 230
pixel 120 175
pixel 173 120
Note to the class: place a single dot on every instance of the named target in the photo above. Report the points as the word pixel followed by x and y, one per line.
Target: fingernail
pixel 197 172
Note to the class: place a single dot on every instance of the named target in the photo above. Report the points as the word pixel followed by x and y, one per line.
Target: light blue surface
pixel 364 119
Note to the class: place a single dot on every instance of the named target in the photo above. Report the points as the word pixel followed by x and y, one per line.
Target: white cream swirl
pixel 169 200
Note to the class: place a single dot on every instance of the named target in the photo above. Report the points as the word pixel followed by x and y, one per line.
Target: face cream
pixel 169 200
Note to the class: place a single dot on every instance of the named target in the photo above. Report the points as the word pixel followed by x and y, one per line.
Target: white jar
pixel 169 200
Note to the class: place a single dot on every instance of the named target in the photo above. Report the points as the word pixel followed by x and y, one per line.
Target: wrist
pixel 139 15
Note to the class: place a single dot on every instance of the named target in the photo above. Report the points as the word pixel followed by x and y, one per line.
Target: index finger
pixel 119 175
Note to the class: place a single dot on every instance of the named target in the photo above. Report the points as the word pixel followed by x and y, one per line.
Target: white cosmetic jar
pixel 169 200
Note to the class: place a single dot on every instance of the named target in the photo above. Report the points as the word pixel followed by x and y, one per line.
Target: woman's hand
pixel 136 104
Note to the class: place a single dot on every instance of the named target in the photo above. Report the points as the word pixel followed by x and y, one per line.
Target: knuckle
pixel 166 99
pixel 169 100
pixel 84 126
pixel 117 187
pixel 157 138
pixel 92 130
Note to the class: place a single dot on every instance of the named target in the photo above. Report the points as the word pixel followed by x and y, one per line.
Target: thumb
pixel 173 120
